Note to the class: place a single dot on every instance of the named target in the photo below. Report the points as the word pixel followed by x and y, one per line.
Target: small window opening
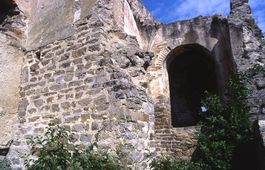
pixel 203 109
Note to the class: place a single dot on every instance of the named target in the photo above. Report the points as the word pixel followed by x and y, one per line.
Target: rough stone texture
pixel 248 49
pixel 48 21
pixel 11 60
pixel 93 64
pixel 78 82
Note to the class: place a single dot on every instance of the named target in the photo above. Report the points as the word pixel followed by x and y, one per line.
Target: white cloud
pixel 187 9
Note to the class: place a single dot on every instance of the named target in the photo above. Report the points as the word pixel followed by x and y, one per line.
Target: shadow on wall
pixel 7 9
pixel 191 71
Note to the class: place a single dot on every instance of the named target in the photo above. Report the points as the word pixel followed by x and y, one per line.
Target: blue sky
pixel 172 10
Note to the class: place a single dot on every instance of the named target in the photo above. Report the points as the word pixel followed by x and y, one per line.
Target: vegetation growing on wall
pixel 225 126
pixel 169 164
pixel 56 151
pixel 5 165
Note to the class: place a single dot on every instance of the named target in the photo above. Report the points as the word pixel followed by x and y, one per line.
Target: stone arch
pixel 161 52
pixel 191 72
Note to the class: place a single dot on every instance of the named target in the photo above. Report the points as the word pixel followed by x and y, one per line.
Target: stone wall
pixel 11 56
pixel 248 48
pixel 88 81
pixel 210 34
pixel 88 68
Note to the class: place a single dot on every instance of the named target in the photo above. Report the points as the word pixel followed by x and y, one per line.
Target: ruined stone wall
pixel 88 68
pixel 11 56
pixel 249 49
pixel 210 34
pixel 88 81
pixel 10 67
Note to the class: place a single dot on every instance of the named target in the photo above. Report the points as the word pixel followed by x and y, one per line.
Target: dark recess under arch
pixel 7 8
pixel 191 71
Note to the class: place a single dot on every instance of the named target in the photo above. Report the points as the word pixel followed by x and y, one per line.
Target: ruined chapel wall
pixel 10 67
pixel 47 21
pixel 84 83
pixel 11 55
pixel 92 71
pixel 212 34
pixel 249 49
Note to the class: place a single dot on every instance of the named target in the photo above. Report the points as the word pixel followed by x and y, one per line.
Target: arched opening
pixel 191 71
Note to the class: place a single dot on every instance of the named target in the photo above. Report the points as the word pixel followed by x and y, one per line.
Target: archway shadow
pixel 191 71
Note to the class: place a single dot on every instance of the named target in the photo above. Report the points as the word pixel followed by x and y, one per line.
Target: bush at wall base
pixel 4 165
pixel 224 128
pixel 171 164
pixel 55 151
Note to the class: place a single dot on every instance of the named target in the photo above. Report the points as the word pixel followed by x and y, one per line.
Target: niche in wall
pixel 191 72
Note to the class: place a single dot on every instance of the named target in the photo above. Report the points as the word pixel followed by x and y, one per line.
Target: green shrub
pixel 55 151
pixel 226 124
pixel 95 161
pixel 169 164
pixel 224 127
pixel 5 165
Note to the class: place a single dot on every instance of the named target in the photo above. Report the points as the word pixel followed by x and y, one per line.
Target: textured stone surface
pixel 10 70
pixel 94 64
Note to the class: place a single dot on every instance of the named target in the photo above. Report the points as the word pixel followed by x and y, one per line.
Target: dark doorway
pixel 7 8
pixel 191 71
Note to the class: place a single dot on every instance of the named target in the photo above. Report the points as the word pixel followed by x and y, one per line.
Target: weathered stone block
pixel 55 108
pixel 85 118
pixel 100 100
pixel 85 102
pixel 86 138
pixel 22 107
pixel 56 121
pixel 78 95
pixel 71 119
pixel 59 52
pixel 65 65
pixel 64 57
pixel 80 127
pixel 78 61
pixel 25 75
pixel 94 48
pixel 89 80
pixel 34 119
pixel 79 52
pixel 39 102
pixel 75 83
pixel 66 105
pixel 58 87
pixel 95 126
pixel 31 111
pixel 260 84
pixel 39 130
pixel 50 100
pixel 58 72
